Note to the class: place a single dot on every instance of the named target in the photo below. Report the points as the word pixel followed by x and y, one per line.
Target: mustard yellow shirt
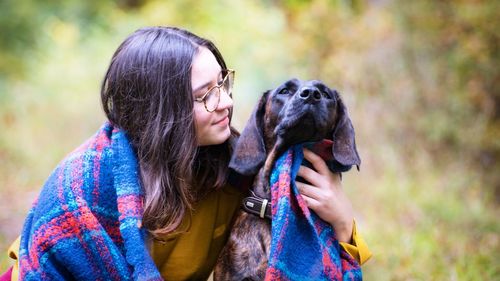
pixel 191 252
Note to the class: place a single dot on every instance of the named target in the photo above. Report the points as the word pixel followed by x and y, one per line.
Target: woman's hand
pixel 325 196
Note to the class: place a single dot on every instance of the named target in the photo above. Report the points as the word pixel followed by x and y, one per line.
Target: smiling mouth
pixel 221 120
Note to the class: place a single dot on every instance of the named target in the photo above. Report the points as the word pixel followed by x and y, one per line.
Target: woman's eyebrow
pixel 206 84
pixel 202 86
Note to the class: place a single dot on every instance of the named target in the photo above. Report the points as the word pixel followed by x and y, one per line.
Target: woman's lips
pixel 222 121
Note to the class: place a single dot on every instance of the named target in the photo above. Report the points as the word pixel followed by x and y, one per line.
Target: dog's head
pixel 295 112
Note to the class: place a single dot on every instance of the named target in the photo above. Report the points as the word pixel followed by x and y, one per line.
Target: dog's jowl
pixel 295 112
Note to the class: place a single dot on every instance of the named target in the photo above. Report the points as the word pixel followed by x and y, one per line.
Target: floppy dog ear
pixel 250 152
pixel 344 145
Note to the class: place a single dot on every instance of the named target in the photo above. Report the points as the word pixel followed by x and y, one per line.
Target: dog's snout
pixel 311 94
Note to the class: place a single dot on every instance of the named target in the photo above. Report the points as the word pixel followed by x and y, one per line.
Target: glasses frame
pixel 218 86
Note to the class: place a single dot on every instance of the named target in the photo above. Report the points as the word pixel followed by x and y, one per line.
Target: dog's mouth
pixel 302 119
pixel 303 126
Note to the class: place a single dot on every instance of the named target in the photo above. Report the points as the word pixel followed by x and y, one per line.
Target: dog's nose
pixel 310 94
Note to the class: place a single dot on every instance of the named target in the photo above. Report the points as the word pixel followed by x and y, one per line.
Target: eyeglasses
pixel 211 98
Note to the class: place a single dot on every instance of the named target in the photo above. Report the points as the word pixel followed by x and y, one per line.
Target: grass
pixel 428 227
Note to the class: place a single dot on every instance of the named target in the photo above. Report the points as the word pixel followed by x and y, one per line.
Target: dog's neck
pixel 261 182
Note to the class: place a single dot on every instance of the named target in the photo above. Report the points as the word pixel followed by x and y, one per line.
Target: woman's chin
pixel 217 139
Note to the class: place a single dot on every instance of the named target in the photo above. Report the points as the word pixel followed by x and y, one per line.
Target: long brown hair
pixel 147 92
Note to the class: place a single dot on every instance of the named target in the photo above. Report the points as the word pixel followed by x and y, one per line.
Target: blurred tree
pixel 452 52
pixel 19 21
pixel 437 59
pixel 24 28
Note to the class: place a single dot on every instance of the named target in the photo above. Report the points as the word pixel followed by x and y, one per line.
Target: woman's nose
pixel 226 101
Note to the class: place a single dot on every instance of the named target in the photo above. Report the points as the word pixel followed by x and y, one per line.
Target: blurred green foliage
pixel 420 79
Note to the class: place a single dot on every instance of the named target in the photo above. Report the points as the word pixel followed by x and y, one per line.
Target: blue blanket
pixel 303 247
pixel 86 222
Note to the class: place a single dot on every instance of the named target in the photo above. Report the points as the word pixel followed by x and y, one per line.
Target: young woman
pixel 149 196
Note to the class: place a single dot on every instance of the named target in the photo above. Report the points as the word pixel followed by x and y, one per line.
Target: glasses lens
pixel 228 83
pixel 212 99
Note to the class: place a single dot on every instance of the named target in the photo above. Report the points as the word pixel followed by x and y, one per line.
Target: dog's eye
pixel 284 91
pixel 326 95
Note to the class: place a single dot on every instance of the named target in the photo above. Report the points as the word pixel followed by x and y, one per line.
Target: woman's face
pixel 211 127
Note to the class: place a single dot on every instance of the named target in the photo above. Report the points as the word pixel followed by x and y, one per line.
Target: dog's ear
pixel 344 145
pixel 250 152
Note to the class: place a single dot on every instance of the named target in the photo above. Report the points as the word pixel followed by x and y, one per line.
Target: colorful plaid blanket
pixel 303 247
pixel 86 222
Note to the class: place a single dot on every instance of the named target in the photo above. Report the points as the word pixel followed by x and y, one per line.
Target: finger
pixel 317 162
pixel 309 175
pixel 314 178
pixel 311 203
pixel 309 191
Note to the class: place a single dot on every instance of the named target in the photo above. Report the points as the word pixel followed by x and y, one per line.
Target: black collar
pixel 258 206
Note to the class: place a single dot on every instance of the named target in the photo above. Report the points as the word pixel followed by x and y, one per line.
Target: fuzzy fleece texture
pixel 86 222
pixel 303 247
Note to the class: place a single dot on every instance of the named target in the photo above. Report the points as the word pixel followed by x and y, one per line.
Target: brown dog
pixel 295 112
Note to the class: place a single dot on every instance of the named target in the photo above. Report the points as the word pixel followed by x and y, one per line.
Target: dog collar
pixel 258 206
